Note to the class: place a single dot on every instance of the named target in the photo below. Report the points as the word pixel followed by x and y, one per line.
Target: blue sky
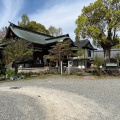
pixel 59 13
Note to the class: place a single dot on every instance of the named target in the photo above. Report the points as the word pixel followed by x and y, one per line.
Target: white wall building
pixel 86 60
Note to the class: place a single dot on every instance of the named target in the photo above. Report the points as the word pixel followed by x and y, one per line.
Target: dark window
pixel 89 53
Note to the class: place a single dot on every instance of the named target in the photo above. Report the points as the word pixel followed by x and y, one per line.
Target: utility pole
pixel 60 62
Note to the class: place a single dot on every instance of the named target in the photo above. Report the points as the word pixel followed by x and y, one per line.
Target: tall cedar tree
pixel 101 22
pixel 16 52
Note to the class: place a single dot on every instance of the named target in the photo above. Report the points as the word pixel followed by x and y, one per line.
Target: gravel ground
pixel 61 98
pixel 18 107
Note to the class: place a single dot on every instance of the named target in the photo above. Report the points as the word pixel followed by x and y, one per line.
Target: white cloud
pixel 61 15
pixel 9 12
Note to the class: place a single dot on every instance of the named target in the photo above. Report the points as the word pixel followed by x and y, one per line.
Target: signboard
pixel 111 64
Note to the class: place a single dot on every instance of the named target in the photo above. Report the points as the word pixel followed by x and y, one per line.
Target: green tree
pixel 32 25
pixel 117 57
pixel 80 53
pixel 24 21
pixel 60 50
pixel 117 46
pixel 16 52
pixel 101 22
pixel 98 61
pixel 55 31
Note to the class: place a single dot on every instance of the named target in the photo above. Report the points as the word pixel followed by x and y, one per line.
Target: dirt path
pixel 61 105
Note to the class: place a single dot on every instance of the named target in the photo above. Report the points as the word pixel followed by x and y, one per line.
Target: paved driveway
pixel 59 98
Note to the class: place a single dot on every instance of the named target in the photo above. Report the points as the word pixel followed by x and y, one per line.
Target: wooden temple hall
pixel 41 43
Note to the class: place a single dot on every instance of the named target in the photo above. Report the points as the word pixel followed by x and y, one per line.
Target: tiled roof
pixel 84 44
pixel 35 37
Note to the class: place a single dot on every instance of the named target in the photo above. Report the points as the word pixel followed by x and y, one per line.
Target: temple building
pixel 41 43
